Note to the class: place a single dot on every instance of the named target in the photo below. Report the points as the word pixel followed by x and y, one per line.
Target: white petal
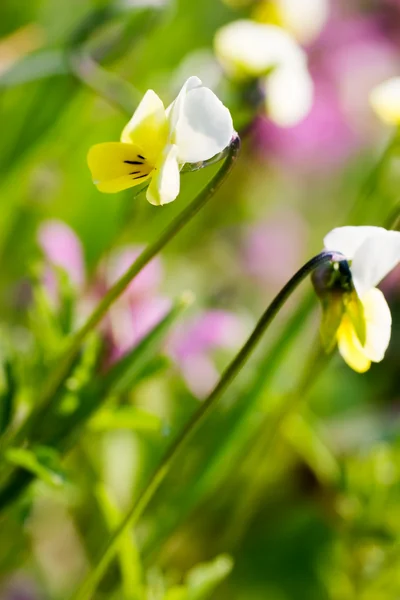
pixel 164 186
pixel 174 110
pixel 348 239
pixel 378 324
pixel 289 95
pixel 204 126
pixel 249 49
pixel 385 101
pixel 304 19
pixel 375 258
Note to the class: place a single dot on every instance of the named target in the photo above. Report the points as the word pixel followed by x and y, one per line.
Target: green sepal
pixel 333 309
pixel 355 312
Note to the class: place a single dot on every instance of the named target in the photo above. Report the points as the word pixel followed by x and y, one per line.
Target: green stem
pixel 65 363
pixel 198 418
pixel 373 180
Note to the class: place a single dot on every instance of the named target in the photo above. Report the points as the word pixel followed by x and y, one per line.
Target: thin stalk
pixel 373 180
pixel 66 361
pixel 233 369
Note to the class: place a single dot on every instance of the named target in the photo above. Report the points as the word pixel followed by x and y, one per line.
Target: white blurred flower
pixel 304 19
pixel 248 50
pixel 385 101
pixel 373 253
pixel 157 142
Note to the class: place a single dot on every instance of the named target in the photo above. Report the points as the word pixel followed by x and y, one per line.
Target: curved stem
pixel 198 418
pixel 65 363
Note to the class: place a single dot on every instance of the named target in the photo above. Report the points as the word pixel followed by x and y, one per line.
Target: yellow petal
pixel 378 322
pixel 116 166
pixel 350 347
pixel 148 127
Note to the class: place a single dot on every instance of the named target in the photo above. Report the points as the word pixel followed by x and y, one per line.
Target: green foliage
pixel 291 487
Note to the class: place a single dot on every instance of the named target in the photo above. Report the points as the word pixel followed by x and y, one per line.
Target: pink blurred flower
pixel 192 346
pixel 272 250
pixel 63 249
pixel 350 57
pixel 137 310
pixel 140 307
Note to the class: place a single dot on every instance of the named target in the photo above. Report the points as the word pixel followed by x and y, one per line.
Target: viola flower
pixel 157 142
pixel 249 50
pixel 385 101
pixel 356 314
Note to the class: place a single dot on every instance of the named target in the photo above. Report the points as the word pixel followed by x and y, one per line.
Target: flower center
pixel 141 167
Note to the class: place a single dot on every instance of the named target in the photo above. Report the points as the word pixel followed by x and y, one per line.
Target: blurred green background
pixel 296 475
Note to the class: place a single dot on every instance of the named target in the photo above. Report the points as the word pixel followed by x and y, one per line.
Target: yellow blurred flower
pixel 385 101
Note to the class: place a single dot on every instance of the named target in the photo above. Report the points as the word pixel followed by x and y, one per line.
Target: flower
pixel 385 101
pixel 157 142
pixel 191 347
pixel 140 308
pixel 249 50
pixel 352 55
pixel 363 318
pixel 132 316
pixel 304 19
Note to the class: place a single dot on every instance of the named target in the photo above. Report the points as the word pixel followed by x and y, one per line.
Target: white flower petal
pixel 165 183
pixel 174 110
pixel 378 324
pixel 249 49
pixel 385 101
pixel 348 239
pixel 304 19
pixel 289 95
pixel 204 126
pixel 374 259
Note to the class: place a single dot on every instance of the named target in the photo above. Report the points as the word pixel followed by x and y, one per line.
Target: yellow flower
pixel 385 101
pixel 157 142
pixel 364 321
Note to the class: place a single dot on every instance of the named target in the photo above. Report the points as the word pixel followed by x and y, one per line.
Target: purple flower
pixel 193 343
pixel 135 312
pixel 63 249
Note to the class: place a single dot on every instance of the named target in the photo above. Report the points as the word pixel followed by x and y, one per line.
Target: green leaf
pixel 302 434
pixel 125 417
pixel 7 396
pixel 178 592
pixel 40 65
pixel 204 578
pixel 42 461
pixel 128 553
